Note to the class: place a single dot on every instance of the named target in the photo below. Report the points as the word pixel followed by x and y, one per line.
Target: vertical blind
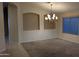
pixel 71 25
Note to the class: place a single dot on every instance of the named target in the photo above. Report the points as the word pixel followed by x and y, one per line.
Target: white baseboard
pixel 2 50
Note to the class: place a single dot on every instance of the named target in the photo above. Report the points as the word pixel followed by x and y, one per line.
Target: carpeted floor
pixel 52 48
pixel 17 51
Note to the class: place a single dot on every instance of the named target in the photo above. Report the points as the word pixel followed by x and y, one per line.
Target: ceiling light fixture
pixel 51 16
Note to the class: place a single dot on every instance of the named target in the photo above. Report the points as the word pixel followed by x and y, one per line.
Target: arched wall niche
pixel 31 21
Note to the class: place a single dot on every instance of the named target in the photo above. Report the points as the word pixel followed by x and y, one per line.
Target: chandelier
pixel 51 16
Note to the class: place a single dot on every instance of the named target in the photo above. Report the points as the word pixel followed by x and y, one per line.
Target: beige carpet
pixel 52 48
pixel 16 51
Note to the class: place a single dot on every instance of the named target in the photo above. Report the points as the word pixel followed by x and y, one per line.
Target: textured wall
pixel 2 41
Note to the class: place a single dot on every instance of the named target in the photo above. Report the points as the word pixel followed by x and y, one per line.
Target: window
pixel 71 25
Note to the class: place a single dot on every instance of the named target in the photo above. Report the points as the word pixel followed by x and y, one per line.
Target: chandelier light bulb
pixel 56 17
pixel 53 18
pixel 46 18
pixel 53 15
pixel 49 18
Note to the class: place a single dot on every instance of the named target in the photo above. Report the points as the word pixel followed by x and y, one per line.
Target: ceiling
pixel 57 6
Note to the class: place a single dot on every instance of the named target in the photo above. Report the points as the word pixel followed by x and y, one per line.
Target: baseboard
pixel 2 50
pixel 35 40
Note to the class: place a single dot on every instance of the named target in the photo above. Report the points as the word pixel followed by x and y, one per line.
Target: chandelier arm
pixel 51 7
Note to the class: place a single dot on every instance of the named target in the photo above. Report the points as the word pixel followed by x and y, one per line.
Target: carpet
pixel 52 48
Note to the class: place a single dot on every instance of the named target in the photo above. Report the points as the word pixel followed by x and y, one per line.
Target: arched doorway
pixel 13 26
pixel 10 24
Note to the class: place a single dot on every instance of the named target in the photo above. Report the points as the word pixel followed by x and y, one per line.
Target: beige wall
pixel 26 36
pixel 2 40
pixel 34 35
pixel 65 36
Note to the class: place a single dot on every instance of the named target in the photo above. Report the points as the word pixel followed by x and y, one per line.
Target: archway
pixel 10 24
pixel 13 26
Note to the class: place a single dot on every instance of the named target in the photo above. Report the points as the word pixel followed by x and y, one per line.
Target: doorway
pixel 6 29
pixel 10 24
pixel 13 25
